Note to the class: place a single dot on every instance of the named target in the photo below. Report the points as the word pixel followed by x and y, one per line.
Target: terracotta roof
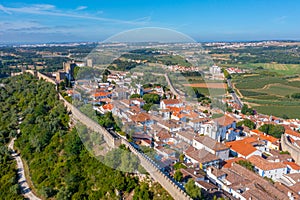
pixel 174 109
pixel 168 123
pixel 292 165
pixel 206 185
pixel 257 132
pixel 101 94
pixel 296 187
pixel 265 136
pixel 210 143
pixel 228 163
pixel 225 120
pixel 285 189
pixel 192 115
pixel 263 164
pixel 193 173
pixel 292 133
pixel 200 120
pixel 186 134
pixel 140 117
pixel 179 115
pixel 163 134
pixel 217 172
pixel 243 147
pixel 202 156
pixel 259 187
pixel 108 106
pixel 135 109
pixel 171 101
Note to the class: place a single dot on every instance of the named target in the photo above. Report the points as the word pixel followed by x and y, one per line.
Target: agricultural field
pixel 207 85
pixel 269 94
pixel 281 69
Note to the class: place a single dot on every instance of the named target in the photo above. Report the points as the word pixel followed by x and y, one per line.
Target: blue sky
pixel 204 20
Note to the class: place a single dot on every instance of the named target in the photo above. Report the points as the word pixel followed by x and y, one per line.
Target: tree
pixel 247 111
pixel 246 164
pixel 192 189
pixel 142 192
pixel 271 129
pixel 151 98
pixel 133 96
pixel 147 106
pixel 296 96
pixel 246 122
pixel 181 157
pixel 179 166
pixel 226 74
pixel 178 175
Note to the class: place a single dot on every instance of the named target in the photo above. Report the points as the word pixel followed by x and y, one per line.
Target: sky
pixel 35 21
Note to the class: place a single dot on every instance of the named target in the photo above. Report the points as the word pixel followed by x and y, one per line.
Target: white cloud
pixel 17 25
pixel 81 8
pixel 3 9
pixel 50 10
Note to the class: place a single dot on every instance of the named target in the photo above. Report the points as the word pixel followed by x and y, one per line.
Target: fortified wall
pixel 114 141
pixel 173 189
pixel 292 149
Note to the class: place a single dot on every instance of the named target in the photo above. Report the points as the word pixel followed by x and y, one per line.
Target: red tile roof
pixel 171 101
pixel 243 147
pixel 140 117
pixel 211 143
pixel 292 165
pixel 202 156
pixel 257 132
pixel 108 106
pixel 292 133
pixel 263 164
pixel 101 94
pixel 228 163
pixel 225 120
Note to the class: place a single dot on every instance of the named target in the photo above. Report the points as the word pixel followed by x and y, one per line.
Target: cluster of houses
pixel 180 68
pixel 214 150
pixel 233 70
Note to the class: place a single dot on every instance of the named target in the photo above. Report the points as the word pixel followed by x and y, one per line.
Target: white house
pixel 170 103
pixel 268 169
pixel 212 146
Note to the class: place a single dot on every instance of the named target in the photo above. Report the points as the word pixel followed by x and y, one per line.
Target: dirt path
pixel 25 190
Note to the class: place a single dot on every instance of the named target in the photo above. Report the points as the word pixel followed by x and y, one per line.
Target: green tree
pixel 181 157
pixel 133 96
pixel 151 98
pixel 192 189
pixel 246 110
pixel 246 164
pixel 147 106
pixel 246 122
pixel 271 129
pixel 178 175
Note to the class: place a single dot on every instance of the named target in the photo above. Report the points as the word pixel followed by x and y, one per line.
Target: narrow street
pixel 26 191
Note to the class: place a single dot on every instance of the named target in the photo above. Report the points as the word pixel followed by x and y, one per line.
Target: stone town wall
pixel 292 149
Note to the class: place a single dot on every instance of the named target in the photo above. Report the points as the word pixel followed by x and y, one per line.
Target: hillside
pixel 59 165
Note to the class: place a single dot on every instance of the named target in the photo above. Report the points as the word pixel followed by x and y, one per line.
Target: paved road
pixel 21 174
pixel 234 96
pixel 173 90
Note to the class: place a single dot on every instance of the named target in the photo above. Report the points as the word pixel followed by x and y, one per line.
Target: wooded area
pixel 60 167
